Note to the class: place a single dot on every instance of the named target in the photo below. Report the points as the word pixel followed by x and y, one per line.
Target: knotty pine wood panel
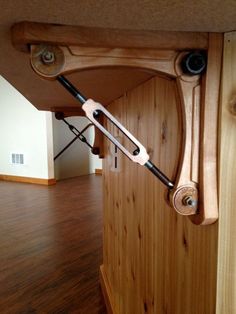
pixel 226 289
pixel 155 260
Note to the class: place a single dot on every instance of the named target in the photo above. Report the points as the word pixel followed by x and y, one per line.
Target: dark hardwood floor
pixel 51 247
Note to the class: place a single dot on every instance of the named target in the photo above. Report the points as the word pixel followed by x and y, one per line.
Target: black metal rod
pixel 82 138
pixel 160 175
pixel 79 136
pixel 78 133
pixel 87 126
pixel 65 148
pixel 71 89
pixel 73 129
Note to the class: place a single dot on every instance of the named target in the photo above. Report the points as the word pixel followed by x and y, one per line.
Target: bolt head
pixel 136 152
pixel 189 201
pixel 48 57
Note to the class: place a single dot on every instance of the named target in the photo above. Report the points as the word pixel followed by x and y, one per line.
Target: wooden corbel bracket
pixel 195 187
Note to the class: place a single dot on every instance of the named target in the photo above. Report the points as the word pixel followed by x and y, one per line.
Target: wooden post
pixel 226 277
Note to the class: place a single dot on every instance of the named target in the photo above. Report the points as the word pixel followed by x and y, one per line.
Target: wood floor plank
pixel 51 247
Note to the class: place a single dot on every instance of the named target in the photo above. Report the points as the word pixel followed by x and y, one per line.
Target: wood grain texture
pixel 106 291
pixel 66 62
pixel 186 182
pixel 145 53
pixel 208 182
pixel 25 33
pixel 51 247
pixel 69 111
pixel 4 177
pixel 155 260
pixel 226 278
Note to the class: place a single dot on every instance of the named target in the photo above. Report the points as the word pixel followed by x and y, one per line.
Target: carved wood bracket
pixel 195 191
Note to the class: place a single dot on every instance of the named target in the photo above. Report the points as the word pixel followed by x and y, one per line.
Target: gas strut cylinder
pixel 94 110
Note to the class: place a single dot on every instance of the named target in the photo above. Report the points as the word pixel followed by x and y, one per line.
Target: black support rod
pixel 77 132
pixel 71 89
pixel 78 135
pixel 65 148
pixel 159 174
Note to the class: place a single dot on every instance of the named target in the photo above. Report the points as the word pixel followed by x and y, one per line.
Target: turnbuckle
pixel 94 110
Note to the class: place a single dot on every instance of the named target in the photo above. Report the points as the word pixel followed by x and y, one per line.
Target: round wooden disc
pixel 47 69
pixel 178 200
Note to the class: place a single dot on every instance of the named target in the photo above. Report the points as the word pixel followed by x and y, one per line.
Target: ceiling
pixel 201 15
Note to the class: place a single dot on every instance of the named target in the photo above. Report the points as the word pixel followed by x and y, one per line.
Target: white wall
pixel 39 136
pixel 77 160
pixel 24 129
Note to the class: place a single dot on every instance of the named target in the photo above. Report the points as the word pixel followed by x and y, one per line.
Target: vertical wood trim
pixel 226 278
pixel 106 291
pixel 208 181
pixel 208 177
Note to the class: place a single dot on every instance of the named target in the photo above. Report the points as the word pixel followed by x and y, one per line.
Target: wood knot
pixel 185 242
pixel 232 105
pixel 133 197
pixel 139 232
pixel 163 131
pixel 133 274
pixel 145 306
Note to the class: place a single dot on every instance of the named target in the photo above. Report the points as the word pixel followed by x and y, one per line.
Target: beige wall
pixel 24 129
pixel 39 136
